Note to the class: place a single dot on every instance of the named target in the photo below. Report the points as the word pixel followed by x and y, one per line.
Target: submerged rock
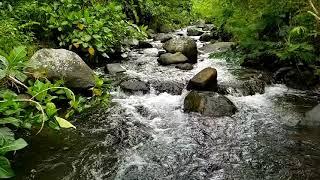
pixel 114 68
pixel 185 45
pixel 169 87
pixel 312 117
pixel 245 88
pixel 205 80
pixel 62 64
pixel 217 47
pixel 184 66
pixel 134 85
pixel 209 103
pixel 169 58
pixel 194 32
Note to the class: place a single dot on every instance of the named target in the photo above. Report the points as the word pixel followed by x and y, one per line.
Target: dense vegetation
pixel 286 29
pixel 96 29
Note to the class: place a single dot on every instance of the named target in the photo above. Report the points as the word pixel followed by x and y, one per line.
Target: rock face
pixel 209 103
pixel 217 47
pixel 185 45
pixel 163 37
pixel 169 58
pixel 205 80
pixel 114 68
pixel 312 118
pixel 185 66
pixel 194 32
pixel 62 64
pixel 134 85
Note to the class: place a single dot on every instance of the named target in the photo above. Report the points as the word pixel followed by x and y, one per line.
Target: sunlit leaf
pixel 91 51
pixel 64 123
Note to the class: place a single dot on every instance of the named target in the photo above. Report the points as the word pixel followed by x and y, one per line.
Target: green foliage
pixel 34 106
pixel 13 63
pixel 89 26
pixel 280 27
pixel 7 144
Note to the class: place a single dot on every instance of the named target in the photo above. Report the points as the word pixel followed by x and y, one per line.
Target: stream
pixel 149 137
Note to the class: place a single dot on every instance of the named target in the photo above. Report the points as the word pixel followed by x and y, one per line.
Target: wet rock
pixel 184 66
pixel 206 37
pixel 114 68
pixel 205 80
pixel 153 52
pixel 143 111
pixel 209 103
pixel 243 88
pixel 262 61
pixel 161 51
pixel 144 44
pixel 185 45
pixel 303 79
pixel 217 47
pixel 163 37
pixel 62 64
pixel 169 87
pixel 312 117
pixel 253 86
pixel 169 58
pixel 194 32
pixel 134 85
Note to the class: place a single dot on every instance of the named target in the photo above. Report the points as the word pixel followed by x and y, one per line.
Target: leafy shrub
pixel 35 105
pixel 89 26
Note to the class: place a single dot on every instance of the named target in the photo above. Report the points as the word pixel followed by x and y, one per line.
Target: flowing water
pixel 148 136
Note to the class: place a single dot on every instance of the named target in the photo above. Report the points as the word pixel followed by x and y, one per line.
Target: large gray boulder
pixel 185 45
pixel 209 103
pixel 169 58
pixel 205 80
pixel 62 64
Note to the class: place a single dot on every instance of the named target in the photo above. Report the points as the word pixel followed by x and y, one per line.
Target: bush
pixel 88 26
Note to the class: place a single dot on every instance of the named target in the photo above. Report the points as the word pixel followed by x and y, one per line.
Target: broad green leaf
pixel 64 123
pixel 51 109
pixel 10 120
pixel 5 135
pixel 17 54
pixel 13 146
pixel 5 168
